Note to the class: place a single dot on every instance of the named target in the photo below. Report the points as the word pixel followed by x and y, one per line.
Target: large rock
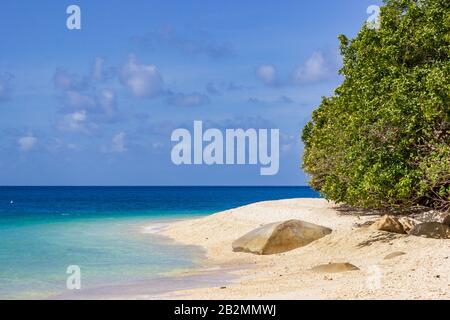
pixel 334 267
pixel 389 224
pixel 446 220
pixel 279 237
pixel 408 223
pixel 433 216
pixel 433 230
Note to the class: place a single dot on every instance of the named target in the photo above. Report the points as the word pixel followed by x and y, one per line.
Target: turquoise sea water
pixel 43 230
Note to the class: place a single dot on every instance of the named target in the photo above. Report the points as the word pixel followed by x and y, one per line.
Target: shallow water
pixel 110 233
pixel 34 257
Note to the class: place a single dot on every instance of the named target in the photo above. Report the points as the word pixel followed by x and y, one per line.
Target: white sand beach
pixel 423 272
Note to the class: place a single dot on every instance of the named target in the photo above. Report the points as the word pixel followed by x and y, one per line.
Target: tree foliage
pixel 383 139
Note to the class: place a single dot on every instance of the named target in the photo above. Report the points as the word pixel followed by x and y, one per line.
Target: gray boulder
pixel 408 223
pixel 433 230
pixel 446 220
pixel 279 237
pixel 432 216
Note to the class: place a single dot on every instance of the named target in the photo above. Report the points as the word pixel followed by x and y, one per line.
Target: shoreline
pixel 161 285
pixel 421 273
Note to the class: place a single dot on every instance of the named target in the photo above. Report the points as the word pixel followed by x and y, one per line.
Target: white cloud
pixel 107 101
pixel 314 69
pixel 288 142
pixel 100 72
pixel 84 93
pixel 76 121
pixel 266 73
pixel 102 102
pixel 97 71
pixel 55 145
pixel 78 116
pixel 5 85
pixel 64 80
pixel 78 100
pixel 118 144
pixel 167 36
pixel 188 100
pixel 3 90
pixel 143 81
pixel 27 143
pixel 157 145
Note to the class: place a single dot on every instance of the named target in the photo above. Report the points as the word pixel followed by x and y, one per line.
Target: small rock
pixel 394 254
pixel 334 267
pixel 389 224
pixel 223 287
pixel 433 230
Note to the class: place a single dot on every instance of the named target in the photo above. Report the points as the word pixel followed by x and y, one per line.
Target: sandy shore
pixel 422 273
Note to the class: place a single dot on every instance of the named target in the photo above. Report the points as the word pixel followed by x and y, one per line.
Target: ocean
pixel 106 231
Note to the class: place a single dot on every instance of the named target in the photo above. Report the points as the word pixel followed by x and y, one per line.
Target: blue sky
pixel 97 106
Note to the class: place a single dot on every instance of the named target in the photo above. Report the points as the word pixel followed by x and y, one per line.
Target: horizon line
pixel 156 186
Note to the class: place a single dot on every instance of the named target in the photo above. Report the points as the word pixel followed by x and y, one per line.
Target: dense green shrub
pixel 383 139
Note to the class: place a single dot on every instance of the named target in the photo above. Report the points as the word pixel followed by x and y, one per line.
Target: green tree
pixel 383 139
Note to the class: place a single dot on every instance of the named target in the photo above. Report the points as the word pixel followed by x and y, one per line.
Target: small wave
pixel 154 228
